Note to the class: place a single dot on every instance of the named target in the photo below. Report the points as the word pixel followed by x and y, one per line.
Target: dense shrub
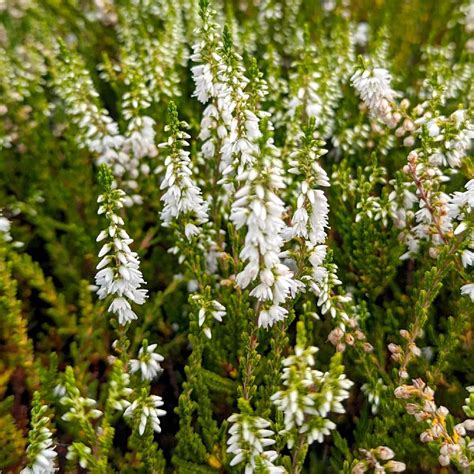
pixel 236 236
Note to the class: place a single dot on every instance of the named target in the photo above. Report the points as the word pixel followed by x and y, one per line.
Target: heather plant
pixel 236 236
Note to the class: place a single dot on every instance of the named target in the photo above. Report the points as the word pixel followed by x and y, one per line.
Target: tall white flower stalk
pixel 119 274
pixel 98 132
pixel 185 208
pixel 140 135
pixel 256 206
pixel 154 52
pixel 206 55
pixel 315 82
pixel 259 210
pixel 182 197
pixel 212 89
pixel 310 219
pixel 308 227
pixel 240 145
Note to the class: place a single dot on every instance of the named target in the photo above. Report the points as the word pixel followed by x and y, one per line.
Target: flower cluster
pixel 441 430
pixel 373 86
pixel 148 362
pixel 182 196
pixel 239 147
pixel 205 51
pixel 445 142
pixel 146 410
pixel 260 210
pixel 310 219
pixel 99 133
pixel 379 460
pixel 119 272
pixel 441 217
pixel 208 309
pixel 136 101
pixel 249 438
pixel 41 450
pixel 309 395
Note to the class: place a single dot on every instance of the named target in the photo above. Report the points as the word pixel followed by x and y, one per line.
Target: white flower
pixel 249 437
pixel 59 391
pixel 191 230
pixel 308 396
pixel 468 290
pixel 150 411
pixel 5 228
pixel 119 272
pixel 213 308
pixel 148 362
pixel 361 35
pixel 270 316
pixel 260 210
pixel 45 455
pixel 181 194
pixel 373 86
pixel 80 452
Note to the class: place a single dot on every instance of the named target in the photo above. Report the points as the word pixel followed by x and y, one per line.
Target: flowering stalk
pixel 182 196
pixel 41 450
pixel 373 86
pixel 308 396
pixel 249 437
pixel 145 411
pixel 119 272
pixel 449 438
pixel 98 132
pixel 258 208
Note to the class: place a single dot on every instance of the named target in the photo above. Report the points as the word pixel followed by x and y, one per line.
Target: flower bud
pixel 395 466
pixel 385 453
